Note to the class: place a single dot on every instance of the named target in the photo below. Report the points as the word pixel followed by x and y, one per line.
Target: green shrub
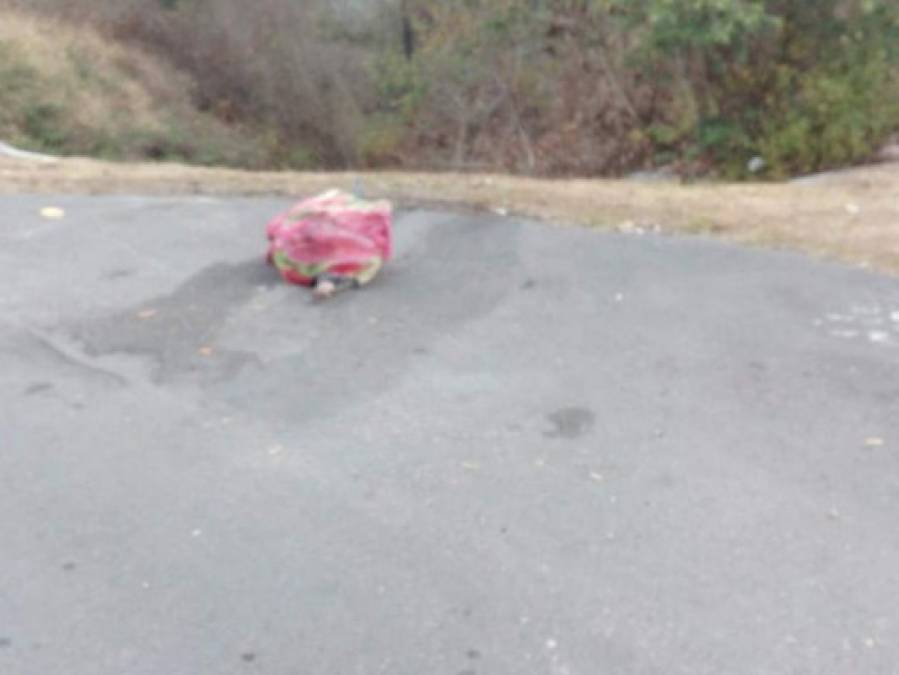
pixel 805 86
pixel 710 84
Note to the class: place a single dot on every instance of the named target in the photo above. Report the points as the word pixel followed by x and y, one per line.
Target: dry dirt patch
pixel 852 216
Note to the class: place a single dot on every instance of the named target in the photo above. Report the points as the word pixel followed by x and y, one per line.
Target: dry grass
pixel 853 217
pixel 56 50
pixel 66 88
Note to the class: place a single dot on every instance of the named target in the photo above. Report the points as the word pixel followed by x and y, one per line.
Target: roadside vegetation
pixel 731 89
pixel 66 89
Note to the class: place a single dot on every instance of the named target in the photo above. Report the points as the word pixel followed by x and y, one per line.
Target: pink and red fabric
pixel 334 234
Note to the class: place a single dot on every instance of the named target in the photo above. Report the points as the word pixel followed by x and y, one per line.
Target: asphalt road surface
pixel 523 449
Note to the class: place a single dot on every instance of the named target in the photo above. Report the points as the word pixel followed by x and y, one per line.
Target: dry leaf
pixel 147 314
pixel 52 212
pixel 205 351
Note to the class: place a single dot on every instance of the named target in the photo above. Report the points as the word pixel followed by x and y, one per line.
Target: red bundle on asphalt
pixel 331 242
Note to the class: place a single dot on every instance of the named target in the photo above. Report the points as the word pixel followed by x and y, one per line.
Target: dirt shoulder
pixel 852 216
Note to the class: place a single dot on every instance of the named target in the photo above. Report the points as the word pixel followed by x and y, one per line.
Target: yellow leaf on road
pixel 52 212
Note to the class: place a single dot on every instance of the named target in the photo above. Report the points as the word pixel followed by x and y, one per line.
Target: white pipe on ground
pixel 6 150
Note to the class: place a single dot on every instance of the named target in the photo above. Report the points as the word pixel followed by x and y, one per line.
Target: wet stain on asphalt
pixel 176 330
pixel 571 423
pixel 115 275
pixel 38 388
pixel 344 346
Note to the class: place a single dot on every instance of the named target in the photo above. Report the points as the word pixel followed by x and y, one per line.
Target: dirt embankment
pixel 851 216
pixel 70 89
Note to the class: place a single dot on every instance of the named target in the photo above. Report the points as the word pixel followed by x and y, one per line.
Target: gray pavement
pixel 523 449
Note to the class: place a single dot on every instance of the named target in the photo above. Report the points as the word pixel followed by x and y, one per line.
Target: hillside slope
pixel 67 89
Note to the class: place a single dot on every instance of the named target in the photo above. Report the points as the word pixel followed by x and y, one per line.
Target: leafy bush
pixel 601 86
pixel 804 86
